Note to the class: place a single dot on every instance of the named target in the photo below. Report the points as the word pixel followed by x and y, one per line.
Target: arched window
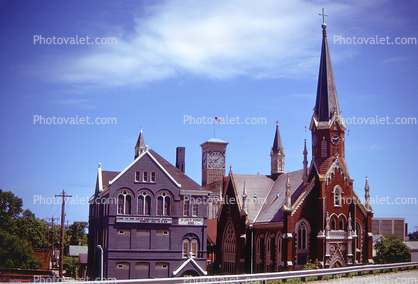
pixel 258 249
pixel 341 225
pixel 144 203
pixel 275 167
pixel 333 223
pixel 324 148
pixel 164 204
pixel 124 203
pixel 338 195
pixel 267 253
pixel 190 246
pixel 279 249
pixel 280 165
pixel 229 248
pixel 302 236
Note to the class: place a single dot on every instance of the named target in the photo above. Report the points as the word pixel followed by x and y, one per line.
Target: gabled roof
pixel 272 210
pixel 174 174
pixel 257 187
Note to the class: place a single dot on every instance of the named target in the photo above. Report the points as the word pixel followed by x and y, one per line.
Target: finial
pixel 277 123
pixel 100 165
pixel 324 26
pixel 141 129
pixel 230 167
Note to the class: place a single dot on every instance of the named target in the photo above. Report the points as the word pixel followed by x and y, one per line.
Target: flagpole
pixel 214 124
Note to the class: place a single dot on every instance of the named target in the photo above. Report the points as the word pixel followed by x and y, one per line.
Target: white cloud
pixel 158 46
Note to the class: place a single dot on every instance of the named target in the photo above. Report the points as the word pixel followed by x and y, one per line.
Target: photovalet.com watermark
pixel 42 200
pixel 39 39
pixel 374 120
pixel 189 119
pixel 73 120
pixel 382 200
pixel 338 39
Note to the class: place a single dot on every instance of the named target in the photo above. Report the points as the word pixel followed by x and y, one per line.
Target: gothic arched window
pixel 144 203
pixel 338 195
pixel 164 204
pixel 279 249
pixel 302 236
pixel 229 248
pixel 124 203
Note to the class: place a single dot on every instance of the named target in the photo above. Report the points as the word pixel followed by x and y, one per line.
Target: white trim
pixel 175 272
pixel 154 160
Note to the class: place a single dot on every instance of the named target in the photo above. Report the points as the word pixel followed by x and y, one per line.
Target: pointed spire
pixel 305 163
pixel 277 155
pixel 277 143
pixel 288 198
pixel 140 146
pixel 367 195
pixel 326 97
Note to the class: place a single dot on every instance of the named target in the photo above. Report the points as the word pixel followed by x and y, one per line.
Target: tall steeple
pixel 277 155
pixel 326 96
pixel 327 125
pixel 140 146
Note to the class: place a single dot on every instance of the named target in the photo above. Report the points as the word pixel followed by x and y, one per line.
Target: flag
pixel 218 119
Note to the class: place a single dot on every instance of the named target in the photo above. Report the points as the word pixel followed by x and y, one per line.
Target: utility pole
pixel 53 240
pixel 63 195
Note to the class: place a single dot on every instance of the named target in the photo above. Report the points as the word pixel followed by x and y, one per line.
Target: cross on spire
pixel 323 15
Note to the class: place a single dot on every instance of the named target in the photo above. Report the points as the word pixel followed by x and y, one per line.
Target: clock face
pixel 335 139
pixel 216 159
pixel 314 140
pixel 204 160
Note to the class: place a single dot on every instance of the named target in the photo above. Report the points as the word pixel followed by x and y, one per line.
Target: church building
pixel 143 221
pixel 284 220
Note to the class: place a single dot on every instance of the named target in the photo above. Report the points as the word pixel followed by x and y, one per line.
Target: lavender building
pixel 145 220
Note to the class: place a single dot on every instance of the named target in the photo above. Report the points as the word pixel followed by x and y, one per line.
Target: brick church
pixel 282 221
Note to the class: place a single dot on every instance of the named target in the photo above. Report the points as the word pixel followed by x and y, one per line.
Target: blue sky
pixel 154 76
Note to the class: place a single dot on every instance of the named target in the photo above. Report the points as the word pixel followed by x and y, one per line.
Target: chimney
pixel 180 158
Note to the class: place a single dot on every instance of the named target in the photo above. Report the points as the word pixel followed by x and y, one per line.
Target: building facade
pixel 145 222
pixel 284 220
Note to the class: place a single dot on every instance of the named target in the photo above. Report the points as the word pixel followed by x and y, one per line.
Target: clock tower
pixel 213 161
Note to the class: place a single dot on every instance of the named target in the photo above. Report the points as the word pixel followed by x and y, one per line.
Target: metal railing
pixel 264 277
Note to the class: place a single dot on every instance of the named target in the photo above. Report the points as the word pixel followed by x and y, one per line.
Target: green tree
pixel 19 234
pixel 16 253
pixel 30 228
pixel 391 249
pixel 10 207
pixel 76 233
pixel 71 265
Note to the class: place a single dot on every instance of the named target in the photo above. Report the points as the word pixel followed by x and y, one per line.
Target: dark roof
pixel 326 97
pixel 175 173
pixel 272 209
pixel 107 176
pixel 257 188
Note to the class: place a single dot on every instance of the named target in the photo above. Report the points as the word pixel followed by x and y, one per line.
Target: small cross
pixel 323 16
